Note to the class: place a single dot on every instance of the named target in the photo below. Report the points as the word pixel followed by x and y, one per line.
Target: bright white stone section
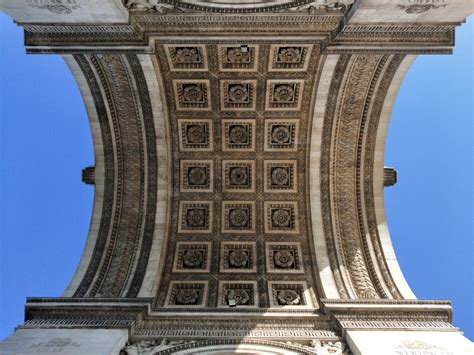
pixel 151 281
pixel 377 342
pixel 384 234
pixel 70 11
pixel 99 175
pixel 412 11
pixel 65 342
pixel 324 267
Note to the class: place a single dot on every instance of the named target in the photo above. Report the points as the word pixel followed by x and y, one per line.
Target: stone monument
pixel 238 177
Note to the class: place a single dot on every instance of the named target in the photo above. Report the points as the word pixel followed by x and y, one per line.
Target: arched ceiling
pixel 239 210
pixel 239 167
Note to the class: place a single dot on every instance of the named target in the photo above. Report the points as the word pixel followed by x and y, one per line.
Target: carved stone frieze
pixel 350 120
pixel 119 261
pixel 173 6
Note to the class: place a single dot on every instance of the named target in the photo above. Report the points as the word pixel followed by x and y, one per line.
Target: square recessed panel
pixel 238 95
pixel 192 257
pixel 196 175
pixel 192 95
pixel 186 57
pixel 195 217
pixel 289 57
pixel 238 175
pixel 288 294
pixel 284 95
pixel 238 257
pixel 280 176
pixel 233 57
pixel 238 294
pixel 281 135
pixel 238 217
pixel 196 135
pixel 187 294
pixel 238 135
pixel 281 217
pixel 284 257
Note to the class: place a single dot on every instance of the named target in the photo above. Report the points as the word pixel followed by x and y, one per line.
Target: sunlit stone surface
pixel 239 177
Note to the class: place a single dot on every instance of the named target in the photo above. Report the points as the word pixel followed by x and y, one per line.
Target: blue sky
pixel 45 209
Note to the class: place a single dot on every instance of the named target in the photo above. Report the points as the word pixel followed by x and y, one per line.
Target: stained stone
pixel 238 177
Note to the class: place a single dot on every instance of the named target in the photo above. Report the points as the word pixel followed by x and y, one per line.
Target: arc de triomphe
pixel 238 177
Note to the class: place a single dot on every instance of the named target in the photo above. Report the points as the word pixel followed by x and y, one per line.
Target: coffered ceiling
pixel 238 118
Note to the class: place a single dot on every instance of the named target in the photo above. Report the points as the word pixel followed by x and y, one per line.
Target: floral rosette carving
pixel 239 176
pixel 185 297
pixel 288 298
pixel 235 55
pixel 196 134
pixel 193 93
pixel 196 218
pixel 289 55
pixel 238 93
pixel 280 177
pixel 241 297
pixel 281 135
pixel 283 259
pixel 281 218
pixel 238 258
pixel 238 217
pixel 283 93
pixel 197 176
pixel 238 134
pixel 193 258
pixel 187 55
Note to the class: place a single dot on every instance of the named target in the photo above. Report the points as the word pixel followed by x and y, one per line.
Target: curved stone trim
pixel 123 243
pixel 373 252
pixel 93 115
pixel 378 193
pixel 97 245
pixel 215 346
pixel 356 102
pixel 150 281
pixel 150 172
pixel 327 272
pixel 340 274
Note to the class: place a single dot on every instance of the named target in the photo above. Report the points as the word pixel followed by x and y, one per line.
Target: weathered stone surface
pixel 238 180
pixel 64 342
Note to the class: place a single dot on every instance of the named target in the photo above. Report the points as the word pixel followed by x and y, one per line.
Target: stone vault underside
pixel 237 215
pixel 238 171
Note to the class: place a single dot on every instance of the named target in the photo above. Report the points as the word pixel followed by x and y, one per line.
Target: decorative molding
pixel 115 258
pixel 184 6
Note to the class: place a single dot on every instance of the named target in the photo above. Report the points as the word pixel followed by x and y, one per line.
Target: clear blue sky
pixel 45 209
